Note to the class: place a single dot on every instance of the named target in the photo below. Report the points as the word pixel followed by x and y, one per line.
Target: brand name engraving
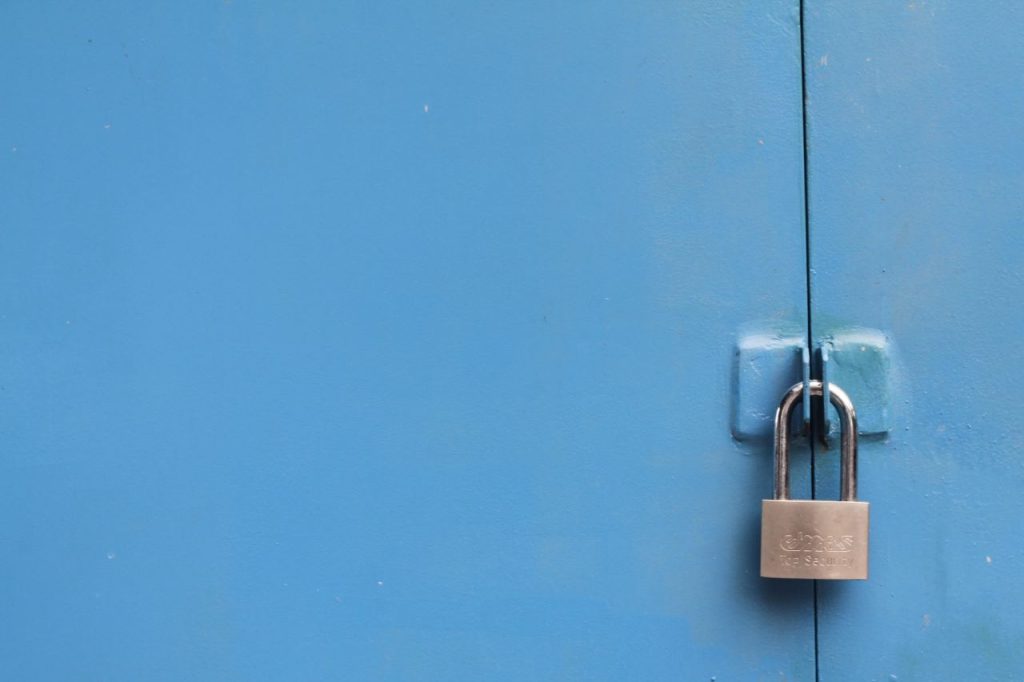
pixel 810 542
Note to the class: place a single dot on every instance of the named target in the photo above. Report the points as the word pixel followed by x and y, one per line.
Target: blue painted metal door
pixel 916 203
pixel 347 341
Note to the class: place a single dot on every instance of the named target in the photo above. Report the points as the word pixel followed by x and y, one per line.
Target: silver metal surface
pixel 815 539
pixel 847 445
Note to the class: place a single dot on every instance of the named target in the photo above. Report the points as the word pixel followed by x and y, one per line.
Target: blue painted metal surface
pixel 917 194
pixel 354 342
pixel 865 363
pixel 765 360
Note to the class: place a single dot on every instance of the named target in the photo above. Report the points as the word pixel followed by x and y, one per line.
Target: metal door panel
pixel 353 341
pixel 916 198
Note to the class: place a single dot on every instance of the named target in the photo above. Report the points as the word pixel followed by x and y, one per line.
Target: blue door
pixel 364 342
pixel 341 341
pixel 916 192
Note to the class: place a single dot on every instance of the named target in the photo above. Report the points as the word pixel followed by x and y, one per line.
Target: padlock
pixel 815 539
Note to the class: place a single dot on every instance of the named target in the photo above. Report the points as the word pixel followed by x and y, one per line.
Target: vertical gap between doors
pixel 807 274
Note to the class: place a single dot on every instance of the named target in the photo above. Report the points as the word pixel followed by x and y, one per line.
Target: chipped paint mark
pixel 926 620
pixel 824 60
pixel 988 560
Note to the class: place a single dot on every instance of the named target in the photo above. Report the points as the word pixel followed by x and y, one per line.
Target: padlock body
pixel 814 539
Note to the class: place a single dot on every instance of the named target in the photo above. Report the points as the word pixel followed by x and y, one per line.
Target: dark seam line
pixel 807 273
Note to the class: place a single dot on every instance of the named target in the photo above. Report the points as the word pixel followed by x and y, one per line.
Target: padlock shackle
pixel 847 443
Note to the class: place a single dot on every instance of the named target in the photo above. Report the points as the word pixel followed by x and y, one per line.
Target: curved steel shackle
pixel 847 444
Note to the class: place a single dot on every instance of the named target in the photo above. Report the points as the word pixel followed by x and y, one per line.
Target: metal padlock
pixel 815 539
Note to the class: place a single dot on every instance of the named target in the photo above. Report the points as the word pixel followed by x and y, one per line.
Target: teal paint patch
pixel 861 361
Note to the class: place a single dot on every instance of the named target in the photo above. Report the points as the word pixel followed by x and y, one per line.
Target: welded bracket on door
pixel 765 364
pixel 863 362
